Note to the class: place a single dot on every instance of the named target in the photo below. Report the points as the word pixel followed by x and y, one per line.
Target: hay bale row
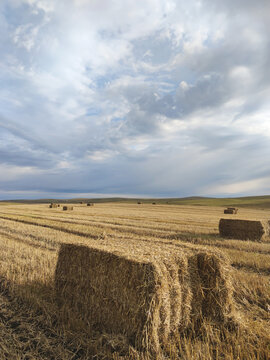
pixel 67 207
pixel 243 229
pixel 148 300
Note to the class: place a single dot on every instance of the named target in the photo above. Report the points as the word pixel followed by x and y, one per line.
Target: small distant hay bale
pixel 231 210
pixel 228 211
pixel 139 203
pixel 150 301
pixel 243 229
pixel 67 207
pixel 53 206
pixel 90 204
pixel 153 203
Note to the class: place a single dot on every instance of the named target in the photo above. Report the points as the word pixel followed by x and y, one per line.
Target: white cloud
pixel 45 5
pixel 25 36
pixel 9 172
pixel 100 155
pixel 254 186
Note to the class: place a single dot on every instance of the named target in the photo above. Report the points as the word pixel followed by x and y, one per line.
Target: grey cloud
pixel 210 91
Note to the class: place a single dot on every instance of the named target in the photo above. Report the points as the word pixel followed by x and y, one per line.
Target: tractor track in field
pixel 105 224
pixel 59 228
pixel 15 235
pixel 102 225
pixel 251 268
pixel 159 234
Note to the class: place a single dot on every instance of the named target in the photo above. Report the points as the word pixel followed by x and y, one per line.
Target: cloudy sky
pixel 122 97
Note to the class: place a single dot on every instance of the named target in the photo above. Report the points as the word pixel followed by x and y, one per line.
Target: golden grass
pixel 30 238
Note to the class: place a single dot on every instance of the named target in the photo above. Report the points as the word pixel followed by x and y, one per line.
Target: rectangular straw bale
pixel 114 294
pixel 67 207
pixel 90 204
pixel 243 229
pixel 148 300
pixel 52 205
pixel 231 210
pixel 228 211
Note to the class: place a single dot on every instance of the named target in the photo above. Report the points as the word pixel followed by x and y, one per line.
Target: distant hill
pixel 262 202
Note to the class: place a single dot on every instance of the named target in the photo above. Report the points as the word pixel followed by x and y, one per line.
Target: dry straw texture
pixel 67 207
pixel 148 299
pixel 243 229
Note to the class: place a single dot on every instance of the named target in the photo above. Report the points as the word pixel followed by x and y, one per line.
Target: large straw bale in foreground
pixel 243 229
pixel 149 300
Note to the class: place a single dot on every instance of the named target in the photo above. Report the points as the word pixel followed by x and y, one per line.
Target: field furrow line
pixel 59 228
pixel 161 234
pixel 17 236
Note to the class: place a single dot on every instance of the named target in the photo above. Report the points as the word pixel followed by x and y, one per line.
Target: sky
pixel 153 98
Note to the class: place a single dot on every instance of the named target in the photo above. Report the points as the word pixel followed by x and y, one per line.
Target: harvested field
pixel 31 237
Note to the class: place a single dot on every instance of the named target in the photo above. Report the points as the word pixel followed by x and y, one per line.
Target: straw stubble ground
pixel 30 237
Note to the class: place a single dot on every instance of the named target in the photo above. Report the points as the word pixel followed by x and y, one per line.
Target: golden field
pixel 30 237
